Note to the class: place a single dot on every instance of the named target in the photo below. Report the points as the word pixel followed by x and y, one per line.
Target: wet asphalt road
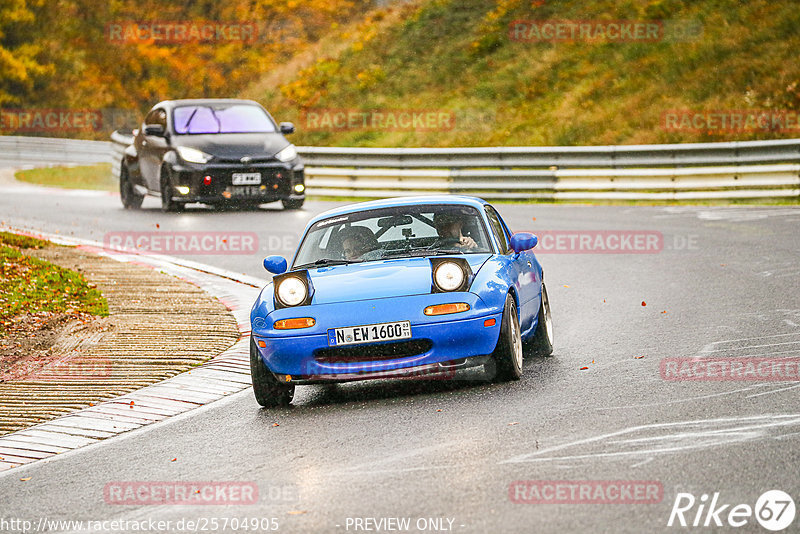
pixel 443 455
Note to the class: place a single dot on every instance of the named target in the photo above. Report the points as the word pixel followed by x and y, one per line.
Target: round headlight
pixel 449 276
pixel 292 291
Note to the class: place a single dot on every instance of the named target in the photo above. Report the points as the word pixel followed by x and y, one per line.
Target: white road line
pixel 723 435
pixel 772 391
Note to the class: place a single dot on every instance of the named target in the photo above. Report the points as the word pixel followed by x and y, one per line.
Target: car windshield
pixel 397 232
pixel 239 118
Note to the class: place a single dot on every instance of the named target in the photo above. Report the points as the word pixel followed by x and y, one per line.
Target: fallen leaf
pixel 439 410
pixel 25 479
pixel 174 460
pixel 534 218
pixel 158 225
pixel 583 368
pixel 604 300
pixel 592 361
pixel 514 423
pixel 566 286
pixel 644 303
pixel 665 311
pixel 638 357
pixel 275 424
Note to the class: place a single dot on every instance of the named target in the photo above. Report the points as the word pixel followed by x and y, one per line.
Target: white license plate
pixel 246 178
pixel 369 333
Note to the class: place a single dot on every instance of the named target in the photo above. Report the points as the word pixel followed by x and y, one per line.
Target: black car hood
pixel 234 145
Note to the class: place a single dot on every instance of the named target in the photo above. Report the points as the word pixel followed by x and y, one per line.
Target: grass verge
pixel 94 177
pixel 32 286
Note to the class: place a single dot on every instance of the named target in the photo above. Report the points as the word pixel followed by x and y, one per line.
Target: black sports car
pixel 215 151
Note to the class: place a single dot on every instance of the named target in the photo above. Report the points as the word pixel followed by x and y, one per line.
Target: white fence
pixel 753 169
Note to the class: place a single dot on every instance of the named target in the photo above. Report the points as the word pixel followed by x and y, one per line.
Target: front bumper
pixel 305 355
pixel 278 181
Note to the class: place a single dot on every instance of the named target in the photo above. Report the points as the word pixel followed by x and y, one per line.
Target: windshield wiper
pixel 418 253
pixel 325 262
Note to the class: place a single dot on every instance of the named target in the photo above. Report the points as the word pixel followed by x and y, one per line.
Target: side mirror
pixel 275 264
pixel 286 128
pixel 523 241
pixel 154 129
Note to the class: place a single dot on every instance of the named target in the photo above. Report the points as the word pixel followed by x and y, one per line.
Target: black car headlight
pixel 287 154
pixel 192 155
pixel 450 274
pixel 292 289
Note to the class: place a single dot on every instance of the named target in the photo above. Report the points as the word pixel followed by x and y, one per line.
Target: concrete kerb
pixel 223 375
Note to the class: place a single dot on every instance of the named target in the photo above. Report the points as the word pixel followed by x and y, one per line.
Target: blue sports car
pixel 418 286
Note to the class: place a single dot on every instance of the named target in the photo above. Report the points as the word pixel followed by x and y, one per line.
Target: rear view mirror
pixel 154 129
pixel 523 241
pixel 395 220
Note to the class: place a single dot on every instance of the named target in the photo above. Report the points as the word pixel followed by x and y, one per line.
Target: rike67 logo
pixel 774 510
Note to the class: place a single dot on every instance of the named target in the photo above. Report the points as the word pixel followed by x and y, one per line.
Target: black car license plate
pixel 245 190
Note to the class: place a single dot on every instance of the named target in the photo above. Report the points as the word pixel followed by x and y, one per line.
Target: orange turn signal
pixel 489 322
pixel 290 324
pixel 444 309
pixel 262 344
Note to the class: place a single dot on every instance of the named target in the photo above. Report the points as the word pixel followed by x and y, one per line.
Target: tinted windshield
pixel 239 118
pixel 395 232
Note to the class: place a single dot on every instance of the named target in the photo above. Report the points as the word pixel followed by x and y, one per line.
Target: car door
pixel 522 270
pixel 151 148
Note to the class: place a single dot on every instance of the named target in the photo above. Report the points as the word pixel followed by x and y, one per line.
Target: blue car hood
pixel 378 279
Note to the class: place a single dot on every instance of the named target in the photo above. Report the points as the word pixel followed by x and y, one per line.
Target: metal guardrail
pixel 610 156
pixel 751 169
pixel 18 151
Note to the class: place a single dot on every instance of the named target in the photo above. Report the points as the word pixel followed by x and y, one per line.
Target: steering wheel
pixel 445 242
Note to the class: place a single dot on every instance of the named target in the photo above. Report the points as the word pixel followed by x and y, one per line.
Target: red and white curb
pixel 221 376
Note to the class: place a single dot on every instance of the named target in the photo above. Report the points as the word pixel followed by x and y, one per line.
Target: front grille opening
pixel 373 353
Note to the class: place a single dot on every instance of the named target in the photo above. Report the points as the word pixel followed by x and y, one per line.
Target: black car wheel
pixel 167 204
pixel 542 342
pixel 507 356
pixel 130 200
pixel 269 392
pixel 292 204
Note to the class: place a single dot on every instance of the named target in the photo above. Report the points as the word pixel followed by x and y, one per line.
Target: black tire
pixel 130 200
pixel 167 204
pixel 292 204
pixel 268 391
pixel 542 342
pixel 507 356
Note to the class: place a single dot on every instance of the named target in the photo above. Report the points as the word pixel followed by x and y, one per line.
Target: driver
pixel 448 226
pixel 357 241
